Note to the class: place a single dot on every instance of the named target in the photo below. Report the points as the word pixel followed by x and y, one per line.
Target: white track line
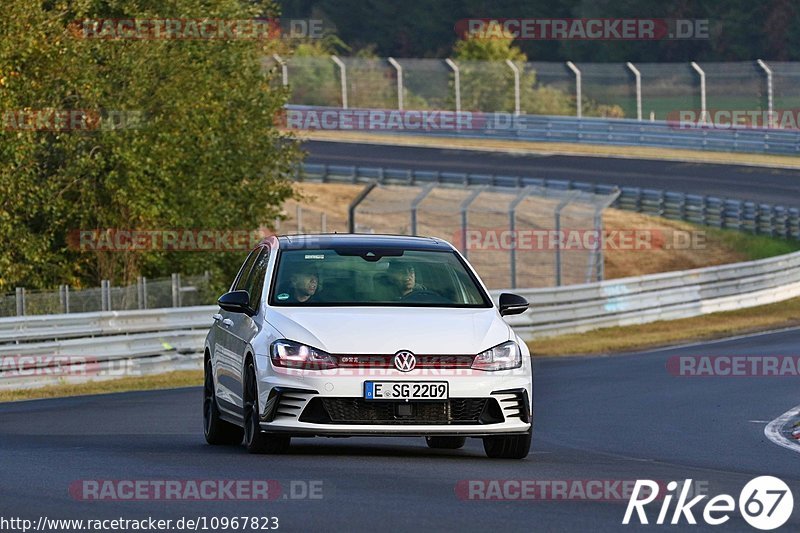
pixel 773 430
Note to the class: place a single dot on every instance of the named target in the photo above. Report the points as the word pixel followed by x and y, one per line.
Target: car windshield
pixel 394 277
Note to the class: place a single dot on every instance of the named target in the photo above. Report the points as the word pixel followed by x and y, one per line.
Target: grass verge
pixel 669 332
pixel 181 378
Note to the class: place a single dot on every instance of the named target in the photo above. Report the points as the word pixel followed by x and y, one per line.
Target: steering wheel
pixel 424 295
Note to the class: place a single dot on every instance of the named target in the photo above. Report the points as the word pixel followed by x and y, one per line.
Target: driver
pixel 304 282
pixel 402 277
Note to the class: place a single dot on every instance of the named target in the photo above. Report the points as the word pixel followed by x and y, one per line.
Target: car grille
pixel 360 411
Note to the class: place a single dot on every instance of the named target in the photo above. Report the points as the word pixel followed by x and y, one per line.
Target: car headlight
pixel 292 354
pixel 502 357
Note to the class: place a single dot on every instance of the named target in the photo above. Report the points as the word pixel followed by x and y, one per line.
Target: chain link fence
pixel 514 237
pixel 646 91
pixel 175 291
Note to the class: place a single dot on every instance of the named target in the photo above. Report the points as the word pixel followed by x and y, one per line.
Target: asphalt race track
pixel 776 186
pixel 601 418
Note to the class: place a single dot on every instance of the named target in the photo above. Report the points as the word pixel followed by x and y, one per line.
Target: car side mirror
pixel 235 302
pixel 512 304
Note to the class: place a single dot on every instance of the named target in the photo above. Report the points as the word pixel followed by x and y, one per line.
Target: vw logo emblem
pixel 405 361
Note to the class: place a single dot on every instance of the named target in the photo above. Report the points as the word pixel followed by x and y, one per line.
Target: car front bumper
pixel 289 398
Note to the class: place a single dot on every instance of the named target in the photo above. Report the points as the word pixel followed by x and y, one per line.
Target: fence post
pixel 399 70
pixel 578 100
pixel 20 297
pixel 512 221
pixel 139 293
pixel 638 76
pixel 557 216
pixel 144 292
pixel 105 295
pixel 284 69
pixel 351 209
pixel 415 204
pixel 457 79
pixel 299 217
pixel 176 290
pixel 515 69
pixel 703 110
pixel 465 215
pixel 768 72
pixel 342 78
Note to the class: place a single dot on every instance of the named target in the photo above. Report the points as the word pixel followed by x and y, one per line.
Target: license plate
pixel 406 390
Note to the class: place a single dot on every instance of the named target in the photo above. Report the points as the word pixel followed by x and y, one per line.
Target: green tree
pixel 487 82
pixel 206 154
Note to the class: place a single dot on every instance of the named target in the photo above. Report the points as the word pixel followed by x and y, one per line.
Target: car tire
pixel 216 430
pixel 508 446
pixel 256 440
pixel 445 443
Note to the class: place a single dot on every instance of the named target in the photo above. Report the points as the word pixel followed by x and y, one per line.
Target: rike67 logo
pixel 765 503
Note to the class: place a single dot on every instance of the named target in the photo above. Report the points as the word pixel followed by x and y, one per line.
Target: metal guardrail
pixel 164 339
pixel 544 128
pixel 764 219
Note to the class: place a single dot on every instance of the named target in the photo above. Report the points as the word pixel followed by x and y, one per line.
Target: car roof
pixel 360 240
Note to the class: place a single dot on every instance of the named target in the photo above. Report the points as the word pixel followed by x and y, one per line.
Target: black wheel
pixel 508 446
pixel 445 443
pixel 256 440
pixel 216 430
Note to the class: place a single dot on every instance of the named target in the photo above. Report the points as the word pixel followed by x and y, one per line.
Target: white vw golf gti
pixel 341 335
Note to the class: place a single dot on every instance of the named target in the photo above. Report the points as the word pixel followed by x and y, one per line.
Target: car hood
pixel 384 330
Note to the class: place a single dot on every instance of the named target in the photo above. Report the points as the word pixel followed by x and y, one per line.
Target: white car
pixel 344 335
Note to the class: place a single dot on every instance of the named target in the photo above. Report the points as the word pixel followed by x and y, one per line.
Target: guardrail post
pixel 351 209
pixel 415 204
pixel 342 78
pixel 284 69
pixel 457 79
pixel 638 76
pixel 399 70
pixel 703 109
pixel 768 72
pixel 465 216
pixel 512 223
pixel 176 290
pixel 515 69
pixel 578 99
pixel 20 297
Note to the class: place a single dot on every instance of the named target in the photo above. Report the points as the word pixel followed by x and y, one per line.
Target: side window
pixel 244 272
pixel 255 283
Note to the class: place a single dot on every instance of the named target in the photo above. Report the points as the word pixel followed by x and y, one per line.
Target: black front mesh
pixel 360 411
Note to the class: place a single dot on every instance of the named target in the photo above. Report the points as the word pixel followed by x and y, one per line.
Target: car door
pixel 226 363
pixel 246 326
